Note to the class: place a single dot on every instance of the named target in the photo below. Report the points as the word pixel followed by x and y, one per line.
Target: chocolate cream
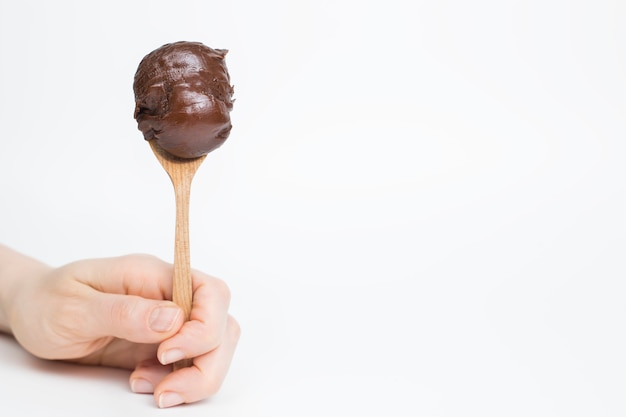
pixel 183 98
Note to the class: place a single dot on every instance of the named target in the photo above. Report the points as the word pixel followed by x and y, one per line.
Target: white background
pixel 419 211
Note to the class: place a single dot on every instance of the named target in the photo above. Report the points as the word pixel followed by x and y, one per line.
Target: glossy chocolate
pixel 183 98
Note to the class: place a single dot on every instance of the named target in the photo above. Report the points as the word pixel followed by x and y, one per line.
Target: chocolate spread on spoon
pixel 183 98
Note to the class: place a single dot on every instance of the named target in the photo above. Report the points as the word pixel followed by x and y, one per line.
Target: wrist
pixel 16 271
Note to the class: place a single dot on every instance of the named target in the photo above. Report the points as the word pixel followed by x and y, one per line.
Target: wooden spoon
pixel 181 172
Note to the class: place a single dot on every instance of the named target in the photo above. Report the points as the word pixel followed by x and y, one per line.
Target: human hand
pixel 114 312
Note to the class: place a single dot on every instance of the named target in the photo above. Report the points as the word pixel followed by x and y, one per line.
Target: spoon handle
pixel 181 172
pixel 182 289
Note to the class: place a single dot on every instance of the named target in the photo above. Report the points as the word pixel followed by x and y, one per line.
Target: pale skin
pixel 115 312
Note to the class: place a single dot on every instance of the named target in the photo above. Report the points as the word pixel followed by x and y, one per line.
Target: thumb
pixel 135 318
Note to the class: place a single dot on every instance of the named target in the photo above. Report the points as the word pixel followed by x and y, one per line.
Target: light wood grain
pixel 181 172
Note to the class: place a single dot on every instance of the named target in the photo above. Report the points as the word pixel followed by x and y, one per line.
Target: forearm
pixel 15 270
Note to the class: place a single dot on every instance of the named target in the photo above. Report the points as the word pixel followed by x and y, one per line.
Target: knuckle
pixel 211 340
pixel 221 289
pixel 122 312
pixel 233 328
pixel 137 262
pixel 211 385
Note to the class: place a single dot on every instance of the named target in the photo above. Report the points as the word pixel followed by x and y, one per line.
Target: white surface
pixel 420 210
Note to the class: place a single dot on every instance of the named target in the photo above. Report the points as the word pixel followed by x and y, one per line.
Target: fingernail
pixel 169 399
pixel 171 356
pixel 162 319
pixel 141 386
